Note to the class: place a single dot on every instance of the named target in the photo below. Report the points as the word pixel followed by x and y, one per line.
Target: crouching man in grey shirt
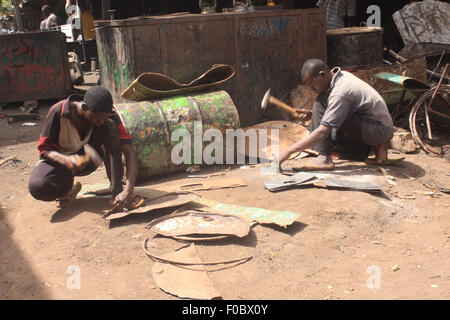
pixel 347 109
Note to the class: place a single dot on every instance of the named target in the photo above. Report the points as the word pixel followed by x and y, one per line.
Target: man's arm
pixel 126 195
pixel 315 137
pixel 73 162
pixel 131 167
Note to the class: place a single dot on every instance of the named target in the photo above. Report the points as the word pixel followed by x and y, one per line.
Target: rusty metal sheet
pixel 424 22
pixel 314 31
pixel 280 136
pixel 33 66
pixel 355 47
pixel 202 44
pixel 198 225
pixel 184 281
pixel 115 51
pixel 164 201
pixel 151 85
pixel 418 50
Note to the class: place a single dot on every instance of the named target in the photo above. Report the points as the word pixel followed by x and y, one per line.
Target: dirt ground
pixel 341 243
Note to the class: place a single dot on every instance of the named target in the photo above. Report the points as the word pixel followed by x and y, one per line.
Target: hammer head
pixel 265 99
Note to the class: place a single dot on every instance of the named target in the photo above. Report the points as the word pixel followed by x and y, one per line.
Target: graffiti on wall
pixel 30 65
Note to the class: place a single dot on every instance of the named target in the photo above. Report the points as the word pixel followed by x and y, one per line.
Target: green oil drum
pixel 151 124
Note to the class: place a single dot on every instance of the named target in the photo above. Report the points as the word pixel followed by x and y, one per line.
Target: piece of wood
pixel 201 185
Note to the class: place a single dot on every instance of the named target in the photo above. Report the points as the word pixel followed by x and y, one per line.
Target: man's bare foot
pixel 69 198
pixel 322 162
pixel 381 152
pixel 381 156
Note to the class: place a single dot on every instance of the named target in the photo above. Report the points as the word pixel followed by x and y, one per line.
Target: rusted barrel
pixel 151 124
pixel 355 47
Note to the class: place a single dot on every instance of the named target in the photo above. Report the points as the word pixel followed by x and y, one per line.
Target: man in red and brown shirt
pixel 69 126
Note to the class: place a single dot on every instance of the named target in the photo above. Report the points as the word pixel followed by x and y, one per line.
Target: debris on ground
pixel 206 184
pixel 402 141
pixel 193 169
pixel 215 174
pixel 390 179
pixel 12 159
pixel 11 118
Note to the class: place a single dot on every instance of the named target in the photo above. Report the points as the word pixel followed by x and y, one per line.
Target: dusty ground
pixel 332 251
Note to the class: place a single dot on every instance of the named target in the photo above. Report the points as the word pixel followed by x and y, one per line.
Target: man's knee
pixel 48 191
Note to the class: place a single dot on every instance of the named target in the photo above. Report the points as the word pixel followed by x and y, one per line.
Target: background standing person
pixel 339 13
pixel 50 19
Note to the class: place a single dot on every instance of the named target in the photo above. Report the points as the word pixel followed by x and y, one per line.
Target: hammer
pixel 270 99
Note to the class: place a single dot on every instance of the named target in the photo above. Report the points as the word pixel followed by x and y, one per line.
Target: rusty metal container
pixel 266 49
pixel 151 124
pixel 355 47
pixel 33 66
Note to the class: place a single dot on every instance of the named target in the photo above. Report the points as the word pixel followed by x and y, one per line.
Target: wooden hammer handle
pixel 286 107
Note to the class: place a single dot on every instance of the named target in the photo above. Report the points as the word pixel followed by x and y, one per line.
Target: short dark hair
pixel 312 67
pixel 98 99
pixel 46 8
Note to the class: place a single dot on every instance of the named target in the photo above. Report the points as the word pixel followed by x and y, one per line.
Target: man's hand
pixel 76 163
pixel 282 158
pixel 122 200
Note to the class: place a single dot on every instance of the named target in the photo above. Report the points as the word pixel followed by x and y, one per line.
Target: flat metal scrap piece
pixel 353 184
pixel 199 225
pixel 324 180
pixel 164 201
pixel 184 281
pixel 251 214
pixel 292 181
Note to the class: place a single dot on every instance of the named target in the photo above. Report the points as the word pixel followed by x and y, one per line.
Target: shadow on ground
pixel 17 278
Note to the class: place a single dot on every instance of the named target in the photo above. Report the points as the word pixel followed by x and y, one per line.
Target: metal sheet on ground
pixel 184 281
pixel 259 215
pixel 191 222
pixel 164 201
